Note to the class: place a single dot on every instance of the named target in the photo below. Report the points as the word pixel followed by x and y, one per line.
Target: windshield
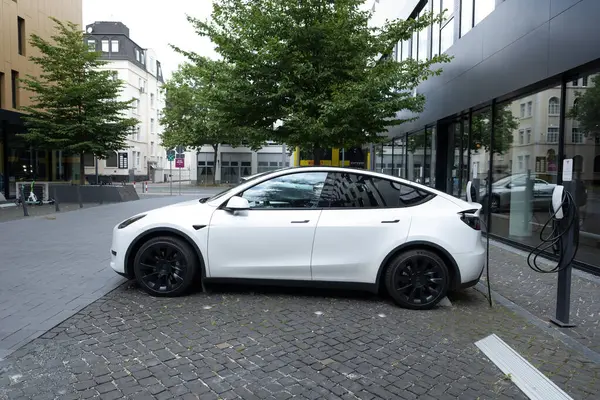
pixel 248 179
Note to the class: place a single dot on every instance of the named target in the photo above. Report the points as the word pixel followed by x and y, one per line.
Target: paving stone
pixel 406 355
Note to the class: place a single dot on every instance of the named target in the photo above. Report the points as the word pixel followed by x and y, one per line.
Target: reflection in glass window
pixel 483 8
pixel 300 190
pixel 435 31
pixel 524 169
pixel 447 36
pixel 416 157
pixel 348 190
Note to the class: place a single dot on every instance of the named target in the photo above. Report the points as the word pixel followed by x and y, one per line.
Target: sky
pixel 155 24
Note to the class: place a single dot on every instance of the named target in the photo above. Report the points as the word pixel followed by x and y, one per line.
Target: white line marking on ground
pixel 529 379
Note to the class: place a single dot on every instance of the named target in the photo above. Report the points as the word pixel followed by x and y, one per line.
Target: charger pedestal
pixel 567 249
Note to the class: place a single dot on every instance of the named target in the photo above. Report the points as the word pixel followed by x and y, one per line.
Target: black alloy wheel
pixel 417 279
pixel 165 266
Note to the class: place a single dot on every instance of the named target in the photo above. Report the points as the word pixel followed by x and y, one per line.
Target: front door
pixel 274 238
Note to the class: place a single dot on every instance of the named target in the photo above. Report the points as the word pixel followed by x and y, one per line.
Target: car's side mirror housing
pixel 237 203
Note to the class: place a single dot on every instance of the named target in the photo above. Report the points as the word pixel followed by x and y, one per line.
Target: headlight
pixel 130 221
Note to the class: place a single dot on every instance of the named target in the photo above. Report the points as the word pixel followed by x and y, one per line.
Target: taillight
pixel 471 219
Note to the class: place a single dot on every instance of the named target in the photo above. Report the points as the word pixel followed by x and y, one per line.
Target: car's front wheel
pixel 417 279
pixel 165 266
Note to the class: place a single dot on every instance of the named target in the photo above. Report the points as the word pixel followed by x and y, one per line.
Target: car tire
pixel 165 266
pixel 417 279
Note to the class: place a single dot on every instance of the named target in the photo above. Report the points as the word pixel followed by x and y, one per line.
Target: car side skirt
pixel 356 286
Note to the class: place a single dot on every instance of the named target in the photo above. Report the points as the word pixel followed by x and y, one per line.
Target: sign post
pixel 171 157
pixel 180 163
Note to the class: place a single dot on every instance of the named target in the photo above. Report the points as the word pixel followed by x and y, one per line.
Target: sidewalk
pixel 54 266
pixel 511 277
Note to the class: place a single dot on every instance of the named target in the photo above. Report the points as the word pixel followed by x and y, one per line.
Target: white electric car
pixel 310 226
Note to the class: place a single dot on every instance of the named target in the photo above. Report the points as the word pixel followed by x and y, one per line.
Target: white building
pixel 144 159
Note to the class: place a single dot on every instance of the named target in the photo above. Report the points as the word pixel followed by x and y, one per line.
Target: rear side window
pixel 349 190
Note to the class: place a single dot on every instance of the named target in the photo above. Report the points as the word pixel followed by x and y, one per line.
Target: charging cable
pixel 487 260
pixel 556 237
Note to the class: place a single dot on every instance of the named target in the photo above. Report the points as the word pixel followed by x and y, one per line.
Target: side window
pixel 299 190
pixel 344 190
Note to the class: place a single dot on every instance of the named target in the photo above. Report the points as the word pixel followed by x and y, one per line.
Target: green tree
pixel 587 109
pixel 75 104
pixel 190 117
pixel 317 67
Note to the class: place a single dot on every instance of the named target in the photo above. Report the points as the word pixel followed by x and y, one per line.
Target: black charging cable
pixel 487 261
pixel 556 237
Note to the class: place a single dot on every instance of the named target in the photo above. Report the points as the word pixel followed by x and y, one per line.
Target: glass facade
pixel 513 150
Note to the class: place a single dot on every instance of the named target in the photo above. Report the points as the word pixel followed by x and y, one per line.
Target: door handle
pixel 301 222
pixel 393 221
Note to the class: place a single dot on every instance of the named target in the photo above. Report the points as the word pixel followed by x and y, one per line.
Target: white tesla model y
pixel 311 226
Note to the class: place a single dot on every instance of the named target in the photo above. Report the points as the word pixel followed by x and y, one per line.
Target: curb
pixel 7 205
pixel 567 340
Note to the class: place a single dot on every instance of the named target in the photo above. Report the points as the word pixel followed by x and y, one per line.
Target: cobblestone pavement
pixel 53 267
pixel 254 343
pixel 511 277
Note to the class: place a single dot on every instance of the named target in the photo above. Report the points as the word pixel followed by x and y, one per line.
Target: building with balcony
pixel 502 109
pixel 18 20
pixel 141 71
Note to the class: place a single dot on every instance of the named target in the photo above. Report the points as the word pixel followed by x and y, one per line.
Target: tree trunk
pixel 215 156
pixel 316 156
pixel 81 169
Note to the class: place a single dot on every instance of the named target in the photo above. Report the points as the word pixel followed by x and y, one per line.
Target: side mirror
pixel 237 203
pixel 509 185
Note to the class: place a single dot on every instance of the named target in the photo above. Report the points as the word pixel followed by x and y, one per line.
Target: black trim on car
pixel 156 232
pixel 422 244
pixel 358 286
pixel 198 227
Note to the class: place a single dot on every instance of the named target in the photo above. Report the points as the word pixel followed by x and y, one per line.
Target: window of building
pixel 423 37
pixel 151 148
pixel 14 83
pixel 138 155
pixel 112 160
pixel 576 136
pixel 522 110
pixel 552 136
pixel 528 134
pixel 114 44
pixel 142 57
pixel 105 46
pixel 466 16
pixel 152 126
pixel 521 136
pixel 584 81
pixel 553 106
pixel 21 35
pixel 575 82
pixel 447 36
pixel 415 46
pixel 137 55
pixel 91 45
pixel 405 50
pixel 483 8
pixel 529 108
pixel 300 190
pixel 2 90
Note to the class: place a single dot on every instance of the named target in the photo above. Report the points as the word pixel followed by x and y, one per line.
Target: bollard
pixel 56 206
pixel 24 201
pixel 146 187
pixel 79 196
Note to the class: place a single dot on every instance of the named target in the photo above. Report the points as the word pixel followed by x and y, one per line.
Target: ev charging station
pixel 563 240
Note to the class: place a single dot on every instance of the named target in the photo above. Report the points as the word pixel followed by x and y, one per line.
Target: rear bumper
pixel 471 266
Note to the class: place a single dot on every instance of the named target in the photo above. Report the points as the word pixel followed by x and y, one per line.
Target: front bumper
pixel 118 250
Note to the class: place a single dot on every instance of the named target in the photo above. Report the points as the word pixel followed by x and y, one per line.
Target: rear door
pixel 362 220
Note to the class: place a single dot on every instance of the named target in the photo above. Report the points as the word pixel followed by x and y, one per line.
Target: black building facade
pixel 506 109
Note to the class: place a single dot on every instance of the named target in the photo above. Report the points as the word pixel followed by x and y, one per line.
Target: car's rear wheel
pixel 165 266
pixel 417 279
